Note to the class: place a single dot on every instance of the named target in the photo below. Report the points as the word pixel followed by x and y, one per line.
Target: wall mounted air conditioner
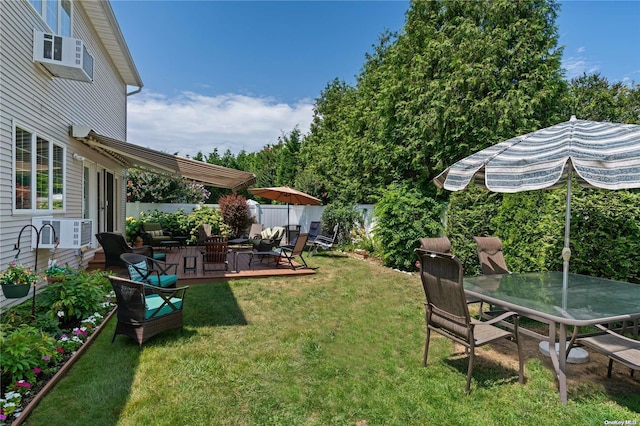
pixel 72 233
pixel 63 57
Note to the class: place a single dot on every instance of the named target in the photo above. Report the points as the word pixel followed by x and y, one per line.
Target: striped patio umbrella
pixel 602 155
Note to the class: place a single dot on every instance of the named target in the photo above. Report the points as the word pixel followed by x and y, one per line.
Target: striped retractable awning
pixel 132 155
pixel 603 155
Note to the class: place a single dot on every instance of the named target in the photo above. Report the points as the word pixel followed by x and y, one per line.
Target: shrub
pixel 403 215
pixel 469 214
pixel 235 213
pixel 132 228
pixel 76 297
pixel 23 349
pixel 176 223
pixel 346 216
pixel 605 235
pixel 207 215
pixel 181 223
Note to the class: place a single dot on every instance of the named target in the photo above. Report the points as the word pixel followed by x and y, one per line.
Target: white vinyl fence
pixel 269 215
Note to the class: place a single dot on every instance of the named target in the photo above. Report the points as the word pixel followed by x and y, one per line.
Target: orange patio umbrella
pixel 286 195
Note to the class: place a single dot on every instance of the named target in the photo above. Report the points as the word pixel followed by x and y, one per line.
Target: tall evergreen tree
pixel 460 76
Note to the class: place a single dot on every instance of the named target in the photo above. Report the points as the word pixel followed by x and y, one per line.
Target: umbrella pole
pixel 566 251
pixel 288 224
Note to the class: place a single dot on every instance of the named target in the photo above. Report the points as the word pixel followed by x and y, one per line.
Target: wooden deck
pixel 238 261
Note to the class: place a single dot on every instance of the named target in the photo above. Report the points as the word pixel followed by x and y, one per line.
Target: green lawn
pixel 343 346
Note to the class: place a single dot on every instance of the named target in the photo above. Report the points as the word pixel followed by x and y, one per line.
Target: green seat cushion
pixel 160 256
pixel 154 301
pixel 163 280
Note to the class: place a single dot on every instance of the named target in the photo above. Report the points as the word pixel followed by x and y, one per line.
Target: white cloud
pixel 191 122
pixel 575 66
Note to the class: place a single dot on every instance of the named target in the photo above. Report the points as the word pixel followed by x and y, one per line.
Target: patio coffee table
pixel 169 244
pixel 586 301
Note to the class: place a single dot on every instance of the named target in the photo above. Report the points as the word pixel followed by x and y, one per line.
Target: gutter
pixel 135 91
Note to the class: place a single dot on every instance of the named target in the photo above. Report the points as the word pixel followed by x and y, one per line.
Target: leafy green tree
pixel 403 216
pixel 321 171
pixel 459 77
pixel 591 97
pixel 288 161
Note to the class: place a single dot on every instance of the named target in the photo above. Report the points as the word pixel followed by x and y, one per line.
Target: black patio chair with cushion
pixel 447 312
pixel 114 245
pixel 314 230
pixel 153 234
pixel 144 311
pixel 150 271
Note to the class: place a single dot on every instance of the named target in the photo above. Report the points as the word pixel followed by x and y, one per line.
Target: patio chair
pixel 204 232
pixel 144 311
pixel 150 271
pixel 215 253
pixel 491 256
pixel 437 244
pixel 255 230
pixel 443 245
pixel 492 261
pixel 290 253
pixel 615 346
pixel 114 245
pixel 324 242
pixel 153 234
pixel 447 312
pixel 314 230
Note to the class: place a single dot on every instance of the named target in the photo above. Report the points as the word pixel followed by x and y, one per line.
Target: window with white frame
pixel 56 13
pixel 39 173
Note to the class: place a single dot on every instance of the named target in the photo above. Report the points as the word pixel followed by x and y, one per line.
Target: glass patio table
pixel 540 295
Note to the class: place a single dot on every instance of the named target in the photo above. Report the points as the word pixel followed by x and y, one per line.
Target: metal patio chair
pixel 447 312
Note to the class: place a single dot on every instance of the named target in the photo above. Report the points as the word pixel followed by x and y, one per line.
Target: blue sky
pixel 238 74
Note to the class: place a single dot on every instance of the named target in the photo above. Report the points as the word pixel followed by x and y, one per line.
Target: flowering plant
pixel 57 271
pixel 17 274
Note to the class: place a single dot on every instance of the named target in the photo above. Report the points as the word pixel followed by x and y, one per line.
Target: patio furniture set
pixel 150 302
pixel 585 301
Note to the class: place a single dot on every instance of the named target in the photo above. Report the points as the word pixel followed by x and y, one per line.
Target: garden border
pixel 67 365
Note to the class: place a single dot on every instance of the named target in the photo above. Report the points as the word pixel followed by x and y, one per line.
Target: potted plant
pixel 17 279
pixel 55 273
pixel 138 242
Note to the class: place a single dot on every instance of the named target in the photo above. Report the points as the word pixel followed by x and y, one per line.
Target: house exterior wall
pixel 31 98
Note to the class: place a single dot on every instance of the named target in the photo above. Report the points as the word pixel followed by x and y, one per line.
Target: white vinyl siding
pixel 47 107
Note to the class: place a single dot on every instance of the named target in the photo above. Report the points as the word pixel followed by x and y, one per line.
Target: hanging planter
pixel 16 280
pixel 15 291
